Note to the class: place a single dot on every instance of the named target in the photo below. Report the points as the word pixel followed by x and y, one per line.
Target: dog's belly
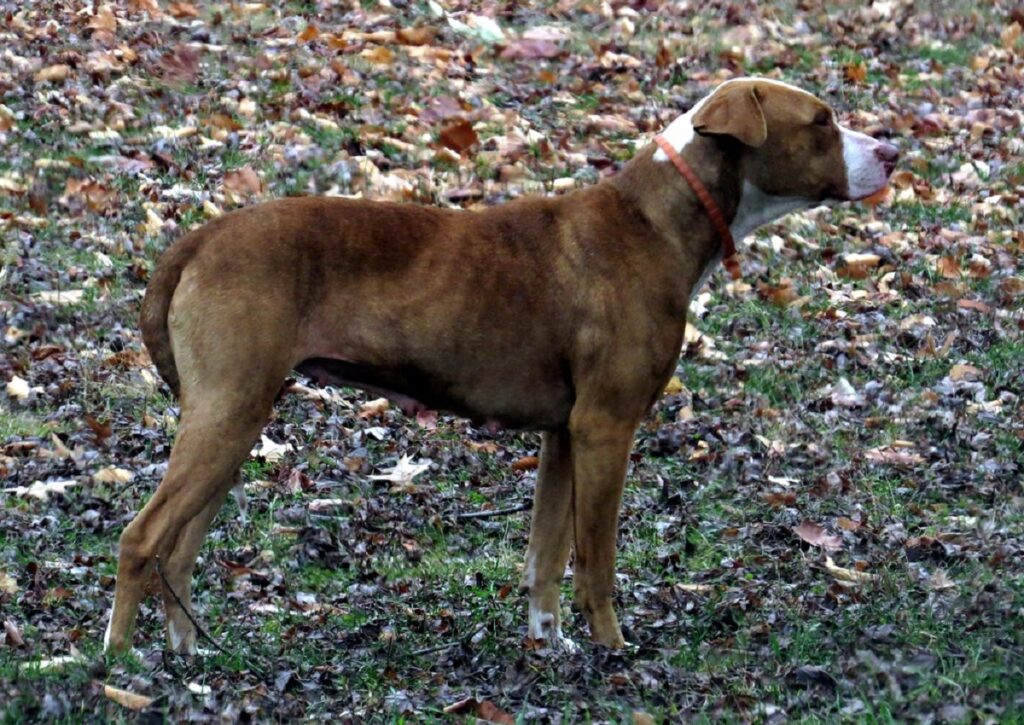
pixel 546 406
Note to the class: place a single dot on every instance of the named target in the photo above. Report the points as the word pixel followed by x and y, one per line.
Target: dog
pixel 563 315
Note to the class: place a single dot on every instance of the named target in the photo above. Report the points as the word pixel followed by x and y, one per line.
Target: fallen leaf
pixel 52 73
pixel 423 35
pixel 856 72
pixel 243 182
pixel 18 388
pixel 530 49
pixel 382 55
pixel 844 395
pixel 180 65
pixel 196 689
pixel 183 10
pixel 112 474
pixel 893 456
pixel 674 386
pixel 42 489
pixel 8 584
pixel 484 710
pixel 526 463
pixel 694 588
pixel 964 372
pixel 857 266
pixel 12 635
pixel 104 20
pixel 852 576
pixel 125 698
pixel 458 135
pixel 976 305
pixel 374 408
pixel 948 267
pixel 53 664
pixel 404 471
pixel 815 535
pixel 270 451
pixel 940 581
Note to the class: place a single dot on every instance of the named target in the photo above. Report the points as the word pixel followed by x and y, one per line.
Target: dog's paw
pixel 545 627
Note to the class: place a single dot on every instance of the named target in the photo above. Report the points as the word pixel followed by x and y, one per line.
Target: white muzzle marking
pixel 865 172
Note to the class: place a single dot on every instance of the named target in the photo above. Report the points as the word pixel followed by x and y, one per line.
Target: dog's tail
pixel 157 303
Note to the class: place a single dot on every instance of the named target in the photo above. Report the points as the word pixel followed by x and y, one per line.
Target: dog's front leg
pixel 550 536
pixel 600 452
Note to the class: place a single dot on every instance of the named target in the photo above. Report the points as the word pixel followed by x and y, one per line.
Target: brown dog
pixel 563 315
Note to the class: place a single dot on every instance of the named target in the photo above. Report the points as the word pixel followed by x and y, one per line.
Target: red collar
pixel 729 260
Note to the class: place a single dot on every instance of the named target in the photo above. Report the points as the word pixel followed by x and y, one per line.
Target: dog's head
pixel 792 146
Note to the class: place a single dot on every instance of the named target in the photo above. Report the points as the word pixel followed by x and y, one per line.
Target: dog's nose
pixel 887 153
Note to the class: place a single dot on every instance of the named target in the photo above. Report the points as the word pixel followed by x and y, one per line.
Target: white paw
pixel 182 641
pixel 543 626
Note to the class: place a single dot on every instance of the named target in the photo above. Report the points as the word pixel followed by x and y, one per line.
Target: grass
pixel 394 596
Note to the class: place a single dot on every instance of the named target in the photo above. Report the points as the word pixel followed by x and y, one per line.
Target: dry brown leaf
pixel 374 408
pixel 948 267
pixel 125 698
pixel 778 499
pixel 180 65
pixel 530 49
pixel 1010 35
pixel 816 535
pixel 694 588
pixel 18 388
pixel 380 54
pixel 857 266
pixel 780 295
pixel 310 34
pixel 423 35
pixel 458 135
pixel 104 20
pixel 183 10
pixel 484 710
pixel 674 386
pixel 243 182
pixel 848 524
pixel 1010 288
pixel 483 446
pixel 113 474
pixel 856 72
pixel 526 463
pixel 964 372
pixel 12 635
pixel 852 576
pixel 894 456
pixel 976 305
pixel 53 73
pixel 149 7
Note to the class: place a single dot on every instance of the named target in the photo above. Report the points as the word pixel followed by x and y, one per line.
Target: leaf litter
pixel 856 397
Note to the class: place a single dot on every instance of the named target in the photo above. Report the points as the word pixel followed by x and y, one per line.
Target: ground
pixel 824 517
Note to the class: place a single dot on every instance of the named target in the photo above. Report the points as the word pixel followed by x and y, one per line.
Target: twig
pixel 494 512
pixel 435 648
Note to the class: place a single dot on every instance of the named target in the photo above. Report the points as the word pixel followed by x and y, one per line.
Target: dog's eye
pixel 824 118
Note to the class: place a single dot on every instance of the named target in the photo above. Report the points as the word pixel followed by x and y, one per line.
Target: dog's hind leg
pixel 181 632
pixel 550 537
pixel 215 435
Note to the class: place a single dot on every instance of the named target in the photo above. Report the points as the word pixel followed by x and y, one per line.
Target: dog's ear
pixel 733 112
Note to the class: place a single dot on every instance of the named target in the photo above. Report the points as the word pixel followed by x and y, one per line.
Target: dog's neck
pixel 665 198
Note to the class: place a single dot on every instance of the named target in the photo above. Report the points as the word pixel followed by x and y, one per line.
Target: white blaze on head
pixel 681 132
